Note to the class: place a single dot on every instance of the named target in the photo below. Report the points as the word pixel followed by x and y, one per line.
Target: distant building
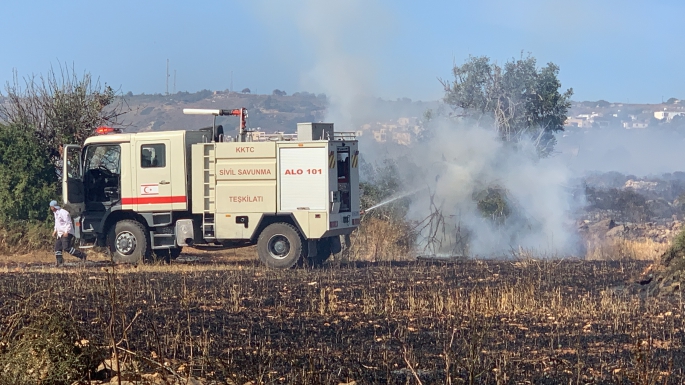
pixel 403 121
pixel 402 131
pixel 635 124
pixel 380 135
pixel 668 114
pixel 403 138
pixel 588 116
pixel 573 122
pixel 578 122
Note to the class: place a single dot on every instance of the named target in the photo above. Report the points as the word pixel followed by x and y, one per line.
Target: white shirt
pixel 63 222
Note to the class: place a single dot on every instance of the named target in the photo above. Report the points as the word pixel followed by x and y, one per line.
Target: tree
pixel 27 177
pixel 61 107
pixel 672 101
pixel 520 99
pixel 278 92
pixel 246 91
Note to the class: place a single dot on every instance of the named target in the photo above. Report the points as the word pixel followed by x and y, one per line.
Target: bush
pixel 27 176
pixel 25 236
pixel 628 205
pixel 492 203
pixel 669 275
pixel 45 346
pixel 677 249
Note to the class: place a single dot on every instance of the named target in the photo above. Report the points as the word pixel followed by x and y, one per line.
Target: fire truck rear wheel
pixel 128 242
pixel 280 246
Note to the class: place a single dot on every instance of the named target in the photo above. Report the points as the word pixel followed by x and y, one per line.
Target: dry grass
pixel 381 240
pixel 625 249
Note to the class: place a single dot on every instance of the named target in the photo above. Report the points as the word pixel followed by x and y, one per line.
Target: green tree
pixel 27 177
pixel 521 99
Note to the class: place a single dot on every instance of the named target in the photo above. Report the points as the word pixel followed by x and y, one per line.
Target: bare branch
pixel 61 107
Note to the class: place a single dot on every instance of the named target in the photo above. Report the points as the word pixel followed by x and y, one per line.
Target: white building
pixel 668 114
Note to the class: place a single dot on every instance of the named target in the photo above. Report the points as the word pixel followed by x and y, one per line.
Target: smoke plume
pixel 458 161
pixel 462 160
pixel 641 152
pixel 339 40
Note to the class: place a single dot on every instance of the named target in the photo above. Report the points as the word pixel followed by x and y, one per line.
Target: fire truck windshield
pixel 101 177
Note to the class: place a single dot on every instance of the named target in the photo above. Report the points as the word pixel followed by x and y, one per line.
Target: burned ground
pixel 472 321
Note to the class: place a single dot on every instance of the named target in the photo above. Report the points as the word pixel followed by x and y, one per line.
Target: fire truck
pixel 148 194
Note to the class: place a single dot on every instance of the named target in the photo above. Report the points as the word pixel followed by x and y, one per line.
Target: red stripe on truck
pixel 153 200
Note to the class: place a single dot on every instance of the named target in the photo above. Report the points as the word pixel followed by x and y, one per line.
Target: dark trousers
pixel 63 244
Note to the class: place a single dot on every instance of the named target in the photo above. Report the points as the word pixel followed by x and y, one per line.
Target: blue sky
pixel 627 51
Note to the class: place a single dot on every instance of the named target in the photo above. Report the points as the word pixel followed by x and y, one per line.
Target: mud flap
pixel 336 246
pixel 311 248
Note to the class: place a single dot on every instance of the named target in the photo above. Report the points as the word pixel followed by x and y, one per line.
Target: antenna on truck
pixel 241 112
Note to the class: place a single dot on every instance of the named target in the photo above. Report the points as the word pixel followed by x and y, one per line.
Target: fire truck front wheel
pixel 128 243
pixel 280 246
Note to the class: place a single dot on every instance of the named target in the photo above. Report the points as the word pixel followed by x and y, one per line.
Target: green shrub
pixel 492 203
pixel 28 178
pixel 676 251
pixel 25 236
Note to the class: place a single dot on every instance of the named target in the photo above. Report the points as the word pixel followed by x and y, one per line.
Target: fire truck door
pixel 153 175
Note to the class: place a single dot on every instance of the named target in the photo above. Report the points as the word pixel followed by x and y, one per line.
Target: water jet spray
pixel 390 200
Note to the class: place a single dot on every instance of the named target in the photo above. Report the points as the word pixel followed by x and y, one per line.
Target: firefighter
pixel 64 233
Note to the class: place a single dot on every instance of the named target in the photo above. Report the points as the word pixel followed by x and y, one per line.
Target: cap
pixel 53 204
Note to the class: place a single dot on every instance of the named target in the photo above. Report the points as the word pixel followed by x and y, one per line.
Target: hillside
pixel 269 113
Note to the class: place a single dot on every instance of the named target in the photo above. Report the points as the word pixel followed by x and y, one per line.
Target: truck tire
pixel 128 242
pixel 280 246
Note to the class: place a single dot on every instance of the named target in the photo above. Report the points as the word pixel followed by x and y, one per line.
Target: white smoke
pixel 641 152
pixel 343 37
pixel 463 159
pixel 340 40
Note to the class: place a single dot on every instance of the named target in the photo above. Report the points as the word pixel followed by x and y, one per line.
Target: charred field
pixel 471 321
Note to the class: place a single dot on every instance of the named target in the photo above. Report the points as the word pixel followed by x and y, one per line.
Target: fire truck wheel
pixel 128 242
pixel 280 246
